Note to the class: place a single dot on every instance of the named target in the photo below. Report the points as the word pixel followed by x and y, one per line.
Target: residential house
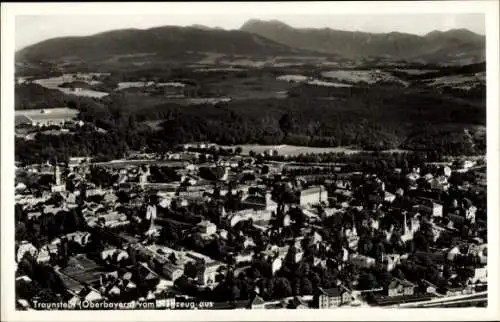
pixel 257 303
pixel 389 197
pixel 313 195
pixel 207 228
pixel 172 272
pixel 244 256
pixel 79 237
pixel 480 275
pixel 440 183
pixel 258 202
pixel 430 207
pixel 276 264
pixel 390 261
pixel 399 287
pixel 453 253
pixel 470 213
pixel 206 276
pixel 24 248
pixel 428 287
pixel 332 297
pixel 45 253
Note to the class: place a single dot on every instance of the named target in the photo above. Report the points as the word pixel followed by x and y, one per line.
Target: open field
pixel 54 82
pixel 366 76
pixel 293 150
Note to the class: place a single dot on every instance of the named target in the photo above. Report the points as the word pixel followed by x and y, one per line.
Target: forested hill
pixel 457 45
pixel 370 118
pixel 161 41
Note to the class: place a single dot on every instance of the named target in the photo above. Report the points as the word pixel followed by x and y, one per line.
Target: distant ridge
pixel 436 46
pixel 262 38
pixel 158 41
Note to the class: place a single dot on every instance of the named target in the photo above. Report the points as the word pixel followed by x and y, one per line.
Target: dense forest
pixel 370 117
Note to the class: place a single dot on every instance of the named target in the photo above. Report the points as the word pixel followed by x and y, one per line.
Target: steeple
pixel 57 173
pixel 405 224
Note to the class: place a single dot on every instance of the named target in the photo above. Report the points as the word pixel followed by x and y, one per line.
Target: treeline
pixel 440 71
pixel 34 96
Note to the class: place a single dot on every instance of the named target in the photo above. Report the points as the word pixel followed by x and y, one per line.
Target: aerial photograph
pixel 285 162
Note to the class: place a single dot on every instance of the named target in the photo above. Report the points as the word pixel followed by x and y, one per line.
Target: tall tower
pixel 150 215
pixel 405 224
pixel 57 175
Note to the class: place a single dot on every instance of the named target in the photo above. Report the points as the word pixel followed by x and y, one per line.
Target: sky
pixel 30 29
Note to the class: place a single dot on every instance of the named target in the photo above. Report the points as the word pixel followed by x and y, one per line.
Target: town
pixel 232 229
pixel 279 165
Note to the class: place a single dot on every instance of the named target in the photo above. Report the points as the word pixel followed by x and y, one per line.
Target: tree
pixel 238 150
pixel 367 281
pixel 286 123
pixel 306 287
pixel 282 288
pixel 235 293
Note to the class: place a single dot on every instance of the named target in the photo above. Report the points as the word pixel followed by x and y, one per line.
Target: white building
pixel 276 264
pixel 480 275
pixel 313 195
pixel 207 227
pixel 25 247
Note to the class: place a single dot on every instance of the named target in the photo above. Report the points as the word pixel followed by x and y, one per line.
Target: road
pixel 449 300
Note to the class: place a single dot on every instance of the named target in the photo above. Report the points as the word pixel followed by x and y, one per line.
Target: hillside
pixel 160 42
pixel 453 46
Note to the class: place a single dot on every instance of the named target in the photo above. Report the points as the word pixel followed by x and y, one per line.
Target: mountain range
pixel 264 38
pixel 436 46
pixel 158 41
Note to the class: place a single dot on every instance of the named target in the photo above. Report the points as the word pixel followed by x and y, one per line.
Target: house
pixel 24 248
pixel 332 297
pixel 428 287
pixel 257 303
pixel 390 261
pixel 440 183
pixel 206 276
pixel 389 197
pixel 313 195
pixel 480 275
pixel 244 256
pixel 470 213
pixel 172 272
pixel 399 287
pixel 207 228
pixel 45 252
pixel 258 202
pixel 107 253
pixel 429 207
pixel 453 253
pixel 465 165
pixel 276 264
pixel 453 290
pixel 79 237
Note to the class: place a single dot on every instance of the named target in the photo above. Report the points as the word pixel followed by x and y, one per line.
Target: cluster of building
pixel 135 263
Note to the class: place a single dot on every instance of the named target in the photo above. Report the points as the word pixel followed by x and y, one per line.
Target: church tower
pixel 405 224
pixel 57 175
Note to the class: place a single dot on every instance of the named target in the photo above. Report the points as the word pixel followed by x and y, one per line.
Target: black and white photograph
pixel 291 157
